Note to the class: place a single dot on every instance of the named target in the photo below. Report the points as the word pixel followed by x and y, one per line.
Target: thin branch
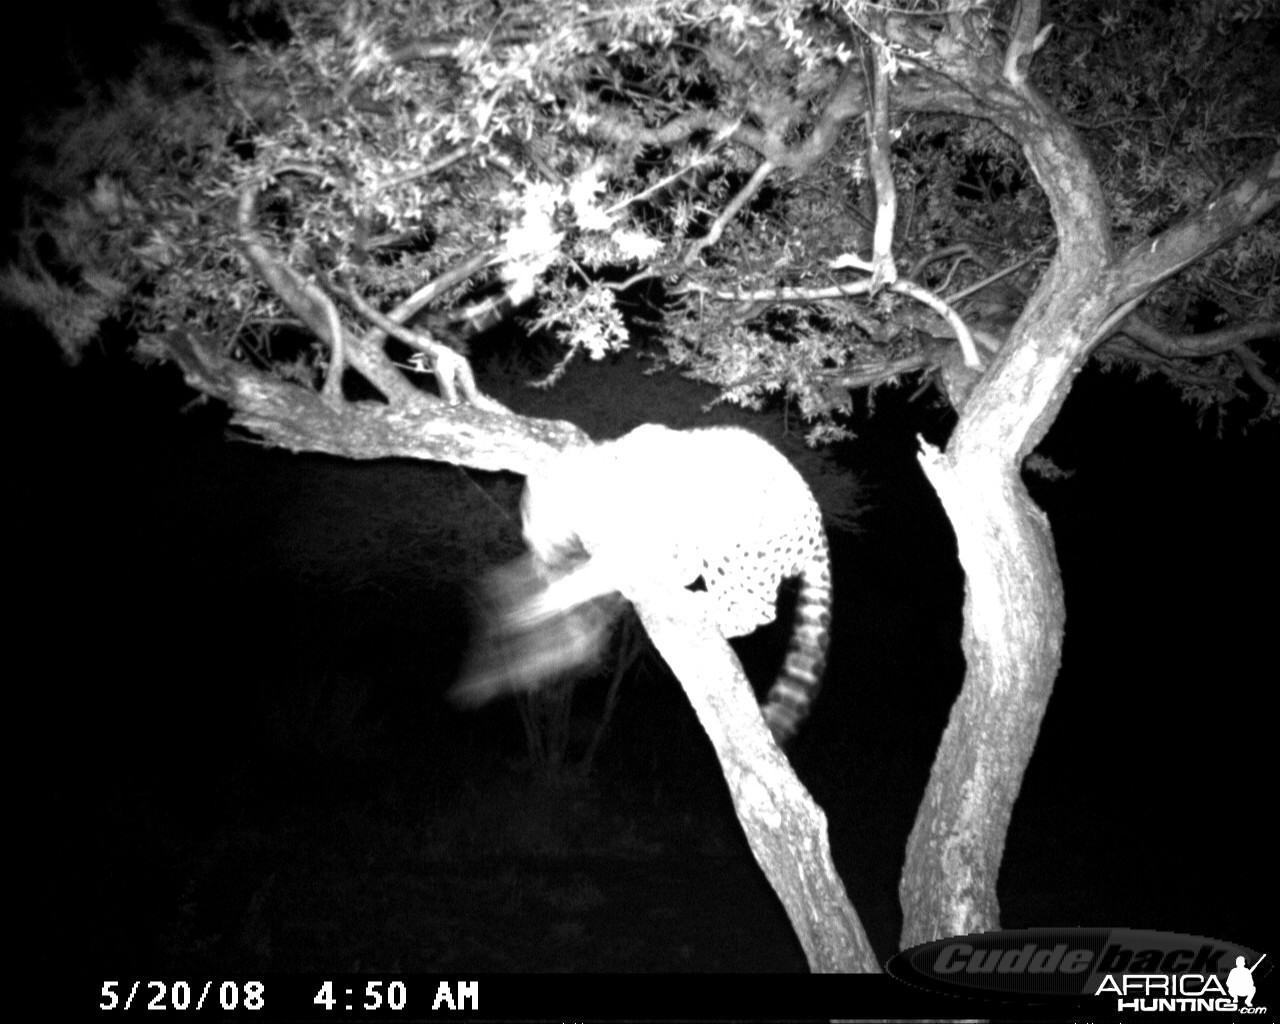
pixel 847 101
pixel 944 310
pixel 963 249
pixel 636 278
pixel 839 291
pixel 1254 369
pixel 310 304
pixel 877 372
pixel 730 211
pixel 433 289
pixel 991 279
pixel 448 160
pixel 884 271
pixel 452 370
pixel 1027 37
pixel 702 160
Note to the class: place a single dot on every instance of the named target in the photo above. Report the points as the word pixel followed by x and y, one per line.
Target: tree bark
pixel 297 418
pixel 786 830
pixel 1014 607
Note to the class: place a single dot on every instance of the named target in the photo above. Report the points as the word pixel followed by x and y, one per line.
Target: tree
pixel 290 231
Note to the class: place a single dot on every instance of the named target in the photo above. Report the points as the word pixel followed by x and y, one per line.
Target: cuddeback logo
pixel 1131 971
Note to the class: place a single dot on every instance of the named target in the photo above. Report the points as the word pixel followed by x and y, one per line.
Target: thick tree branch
pixel 786 830
pixel 299 419
pixel 1153 260
pixel 1180 371
pixel 1191 346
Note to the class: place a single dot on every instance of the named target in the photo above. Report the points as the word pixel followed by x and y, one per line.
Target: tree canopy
pixel 695 166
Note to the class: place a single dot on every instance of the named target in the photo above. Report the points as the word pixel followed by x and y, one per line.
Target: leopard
pixel 717 509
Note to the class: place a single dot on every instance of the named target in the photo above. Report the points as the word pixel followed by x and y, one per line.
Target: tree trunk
pixel 1014 616
pixel 1014 608
pixel 786 830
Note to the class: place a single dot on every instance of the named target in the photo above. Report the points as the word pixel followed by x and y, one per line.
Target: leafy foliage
pixel 1168 134
pixel 589 147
